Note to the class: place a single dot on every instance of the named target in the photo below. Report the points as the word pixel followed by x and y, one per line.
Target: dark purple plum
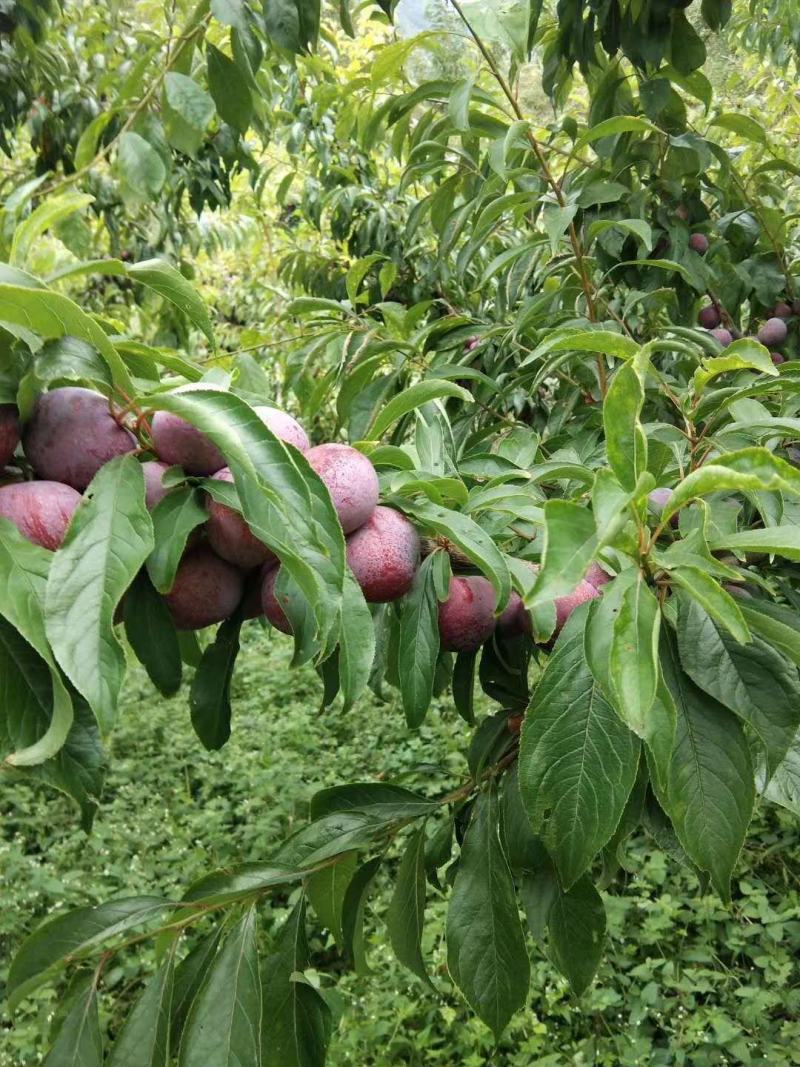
pixel 708 317
pixel 230 536
pixel 466 618
pixel 206 590
pixel 383 555
pixel 773 333
pixel 351 481
pixel 9 433
pixel 41 511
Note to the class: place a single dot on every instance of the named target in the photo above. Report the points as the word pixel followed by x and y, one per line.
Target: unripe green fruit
pixel 231 537
pixel 72 434
pixel 383 555
pixel 9 433
pixel 41 511
pixel 466 618
pixel 351 481
pixel 206 590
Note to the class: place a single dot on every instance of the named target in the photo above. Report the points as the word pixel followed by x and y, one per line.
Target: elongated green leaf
pixel 69 936
pixel 144 1039
pixel 353 910
pixel 79 1042
pixel 486 953
pixel 714 599
pixel 168 282
pixel 189 976
pixel 741 354
pixel 210 695
pixel 51 314
pixel 139 168
pixel 107 542
pixel 467 535
pixel 223 1027
pixel 326 890
pixel 569 546
pixel 782 540
pixel 296 1021
pixel 576 926
pixel 283 500
pixel 229 89
pixel 384 799
pixel 634 655
pixel 710 791
pixel 356 643
pixel 151 633
pixel 611 127
pixel 777 624
pixel 748 470
pixel 187 111
pixel 406 915
pixel 419 644
pixel 603 342
pixel 577 761
pixel 52 210
pixel 174 517
pixel 784 786
pixel 753 680
pixel 626 444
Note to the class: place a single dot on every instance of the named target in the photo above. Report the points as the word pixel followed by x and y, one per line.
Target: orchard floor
pixel 685 980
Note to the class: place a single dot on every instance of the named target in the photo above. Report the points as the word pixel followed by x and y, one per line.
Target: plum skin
pixel 698 242
pixel 41 511
pixel 272 606
pixel 466 618
pixel 351 481
pixel 72 434
pixel 206 590
pixel 773 333
pixel 725 337
pixel 154 489
pixel 9 433
pixel 709 317
pixel 230 536
pixel 516 620
pixel 177 441
pixel 383 555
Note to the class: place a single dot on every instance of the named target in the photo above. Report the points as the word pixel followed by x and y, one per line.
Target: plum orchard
pixel 550 375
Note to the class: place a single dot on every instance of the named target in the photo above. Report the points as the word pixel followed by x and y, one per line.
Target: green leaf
pixel 406 915
pixel 613 126
pixel 356 643
pixel 577 928
pixel 626 444
pixel 86 148
pixel 326 890
pixel 742 354
pixel 70 359
pixel 577 761
pixel 73 935
pixel 229 89
pixel 419 644
pixel 464 685
pixel 777 624
pixel 782 540
pixel 282 499
pixel 634 656
pixel 753 680
pixel 174 517
pixel 210 695
pixel 188 110
pixel 748 470
pixel 51 314
pixel 139 168
pixel 190 974
pixel 79 1042
pixel 413 397
pixel 570 542
pixel 296 1021
pixel 152 636
pixel 355 903
pixel 384 799
pixel 638 227
pixel 144 1039
pixel 108 540
pixel 784 786
pixel 710 792
pixel 742 125
pixel 168 282
pixel 604 342
pixel 467 535
pixel 486 953
pixel 709 593
pixel 223 1027
pixel 49 213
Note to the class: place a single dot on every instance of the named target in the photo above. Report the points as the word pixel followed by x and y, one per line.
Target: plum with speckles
pixel 709 317
pixel 698 242
pixel 596 576
pixel 351 481
pixel 9 433
pixel 230 536
pixel 274 603
pixel 154 488
pixel 72 434
pixel 773 333
pixel 565 605
pixel 466 618
pixel 206 590
pixel 383 555
pixel 41 511
pixel 284 426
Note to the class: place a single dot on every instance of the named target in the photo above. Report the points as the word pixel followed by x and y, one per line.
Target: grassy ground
pixel 685 981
